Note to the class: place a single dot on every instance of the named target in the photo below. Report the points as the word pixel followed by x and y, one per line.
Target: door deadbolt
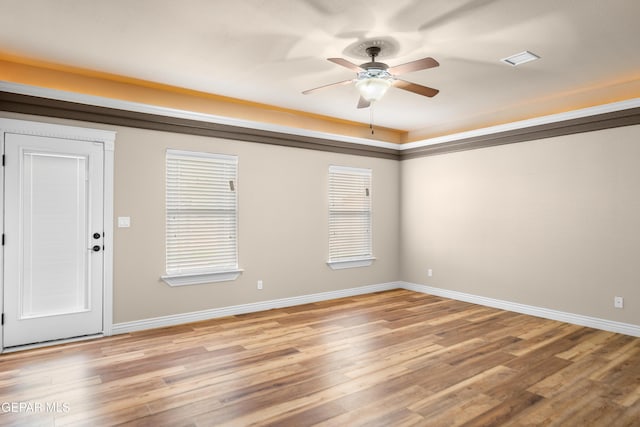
pixel 96 235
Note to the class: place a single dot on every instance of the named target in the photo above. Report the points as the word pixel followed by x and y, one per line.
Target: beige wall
pixel 283 213
pixel 551 223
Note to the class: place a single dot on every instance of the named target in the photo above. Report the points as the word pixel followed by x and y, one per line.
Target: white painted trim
pixel 51 343
pixel 107 298
pixel 26 127
pixel 178 319
pixel 211 118
pixel 107 139
pixel 2 209
pixel 546 313
pixel 522 124
pixel 200 278
pixel 350 263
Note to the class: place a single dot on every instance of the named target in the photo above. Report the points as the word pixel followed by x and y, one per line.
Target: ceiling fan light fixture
pixel 375 78
pixel 373 88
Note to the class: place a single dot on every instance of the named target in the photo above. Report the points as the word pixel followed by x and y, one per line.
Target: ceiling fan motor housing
pixel 374 65
pixel 374 79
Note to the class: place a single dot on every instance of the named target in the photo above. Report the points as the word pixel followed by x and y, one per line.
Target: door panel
pixel 53 207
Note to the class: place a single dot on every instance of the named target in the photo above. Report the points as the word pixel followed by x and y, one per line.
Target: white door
pixel 54 237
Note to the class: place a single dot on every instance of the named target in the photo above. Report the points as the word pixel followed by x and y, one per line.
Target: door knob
pixel 96 248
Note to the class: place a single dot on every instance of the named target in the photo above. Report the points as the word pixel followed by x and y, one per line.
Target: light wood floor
pixel 389 359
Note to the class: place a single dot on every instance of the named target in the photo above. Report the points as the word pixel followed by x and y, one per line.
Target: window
pixel 201 218
pixel 349 217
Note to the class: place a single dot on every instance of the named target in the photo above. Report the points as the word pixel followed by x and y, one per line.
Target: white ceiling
pixel 269 51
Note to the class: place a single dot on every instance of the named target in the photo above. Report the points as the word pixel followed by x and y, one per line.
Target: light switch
pixel 124 222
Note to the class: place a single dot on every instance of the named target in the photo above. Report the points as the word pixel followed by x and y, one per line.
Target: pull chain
pixel 371 118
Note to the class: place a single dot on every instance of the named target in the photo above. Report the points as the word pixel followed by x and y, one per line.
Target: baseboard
pixel 177 319
pixel 577 319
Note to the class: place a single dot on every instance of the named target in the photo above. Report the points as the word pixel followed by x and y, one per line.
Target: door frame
pixel 107 139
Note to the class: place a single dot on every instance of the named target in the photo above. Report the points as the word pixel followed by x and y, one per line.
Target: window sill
pixel 350 263
pixel 200 278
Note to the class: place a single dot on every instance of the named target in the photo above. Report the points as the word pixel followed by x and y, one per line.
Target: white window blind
pixel 349 214
pixel 201 212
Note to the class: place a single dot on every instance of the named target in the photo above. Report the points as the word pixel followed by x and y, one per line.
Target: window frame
pixel 335 261
pixel 213 273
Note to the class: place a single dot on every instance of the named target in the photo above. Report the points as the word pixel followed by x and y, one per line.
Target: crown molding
pixel 27 99
pixel 564 124
pixel 65 105
pixel 155 110
pixel 529 123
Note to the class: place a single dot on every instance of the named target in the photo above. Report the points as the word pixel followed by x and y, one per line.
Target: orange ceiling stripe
pixel 38 73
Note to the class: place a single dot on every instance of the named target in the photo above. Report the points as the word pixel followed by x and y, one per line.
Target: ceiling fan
pixel 374 78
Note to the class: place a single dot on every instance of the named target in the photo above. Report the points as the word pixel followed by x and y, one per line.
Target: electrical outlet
pixel 618 302
pixel 430 272
pixel 259 284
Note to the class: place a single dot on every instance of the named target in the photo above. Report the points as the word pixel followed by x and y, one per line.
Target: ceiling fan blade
pixel 415 88
pixel 346 64
pixel 420 64
pixel 363 103
pixel 345 82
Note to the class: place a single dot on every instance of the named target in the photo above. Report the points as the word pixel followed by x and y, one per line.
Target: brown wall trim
pixel 26 104
pixel 38 106
pixel 567 127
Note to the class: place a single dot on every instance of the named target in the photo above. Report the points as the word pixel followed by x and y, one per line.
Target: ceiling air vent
pixel 520 58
